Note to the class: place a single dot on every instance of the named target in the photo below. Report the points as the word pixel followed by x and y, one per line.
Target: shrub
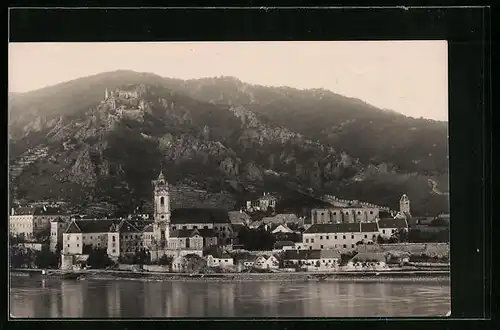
pixel 165 260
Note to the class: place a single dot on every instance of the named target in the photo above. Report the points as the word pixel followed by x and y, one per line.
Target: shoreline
pixel 353 276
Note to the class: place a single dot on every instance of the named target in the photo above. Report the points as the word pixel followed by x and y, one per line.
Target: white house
pixel 223 260
pixel 266 262
pixel 312 260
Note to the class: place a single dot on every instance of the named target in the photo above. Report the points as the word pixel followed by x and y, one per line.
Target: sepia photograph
pixel 246 179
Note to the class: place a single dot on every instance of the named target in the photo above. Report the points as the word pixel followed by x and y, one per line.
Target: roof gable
pixel 195 215
pixel 73 228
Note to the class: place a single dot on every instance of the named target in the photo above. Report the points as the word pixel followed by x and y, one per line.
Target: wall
pixel 72 243
pixel 336 240
pixel 66 262
pixel 155 255
pixel 156 268
pixel 430 249
pixel 21 224
pixel 33 246
pixel 344 215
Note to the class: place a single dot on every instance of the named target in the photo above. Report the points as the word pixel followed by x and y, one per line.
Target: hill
pixel 219 135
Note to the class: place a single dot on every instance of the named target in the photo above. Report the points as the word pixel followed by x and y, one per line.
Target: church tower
pixel 161 204
pixel 404 205
pixel 106 94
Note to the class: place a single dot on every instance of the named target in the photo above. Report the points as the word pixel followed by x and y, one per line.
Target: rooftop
pixel 342 228
pixel 392 223
pixel 195 215
pixel 182 233
pixel 369 256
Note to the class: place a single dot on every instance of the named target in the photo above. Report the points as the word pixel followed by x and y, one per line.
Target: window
pixel 77 238
pixel 162 217
pixel 352 236
pixel 335 236
pixel 114 239
pixel 345 246
pixel 174 228
pixel 78 245
pixel 393 231
pixel 184 227
pixel 205 227
pixel 114 244
pixel 366 236
pixel 90 237
pixel 352 246
pixel 327 237
pixel 383 231
pixel 334 213
pixel 371 212
pixel 344 236
pixel 312 240
pixel 321 246
pixel 321 237
pixel 307 240
pixel 68 245
pixel 359 212
pixel 162 201
pixel 195 227
pixel 225 260
pixel 114 251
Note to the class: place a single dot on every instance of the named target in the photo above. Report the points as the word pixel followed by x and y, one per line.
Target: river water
pixel 51 298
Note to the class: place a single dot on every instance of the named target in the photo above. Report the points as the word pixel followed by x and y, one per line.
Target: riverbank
pixel 353 276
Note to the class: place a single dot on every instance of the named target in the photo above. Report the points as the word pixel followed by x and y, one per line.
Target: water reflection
pixel 131 299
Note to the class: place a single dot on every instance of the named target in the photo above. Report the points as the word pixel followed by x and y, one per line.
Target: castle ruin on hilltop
pixel 125 103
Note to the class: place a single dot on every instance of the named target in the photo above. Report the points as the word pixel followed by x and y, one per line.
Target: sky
pixel 410 77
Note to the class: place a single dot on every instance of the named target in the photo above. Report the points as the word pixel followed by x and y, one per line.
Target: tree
pixel 141 257
pixel 46 258
pixel 43 236
pixel 381 240
pixel 401 236
pixel 98 258
pixel 165 260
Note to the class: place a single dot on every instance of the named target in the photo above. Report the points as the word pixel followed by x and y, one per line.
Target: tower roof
pixel 161 177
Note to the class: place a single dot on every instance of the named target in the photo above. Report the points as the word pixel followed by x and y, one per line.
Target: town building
pixel 195 239
pixel 312 260
pixel 215 220
pixel 222 260
pixel 343 236
pixel 389 227
pixel 57 228
pixel 263 262
pixel 264 203
pixel 30 221
pixel 367 261
pixel 355 213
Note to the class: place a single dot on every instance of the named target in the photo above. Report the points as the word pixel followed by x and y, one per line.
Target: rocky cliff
pixel 111 149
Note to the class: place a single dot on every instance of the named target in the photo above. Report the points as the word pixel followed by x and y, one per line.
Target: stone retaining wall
pixel 430 249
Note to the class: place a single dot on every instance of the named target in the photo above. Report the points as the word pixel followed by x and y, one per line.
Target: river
pixel 52 298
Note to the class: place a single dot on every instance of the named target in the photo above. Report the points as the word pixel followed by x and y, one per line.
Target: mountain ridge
pixel 234 132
